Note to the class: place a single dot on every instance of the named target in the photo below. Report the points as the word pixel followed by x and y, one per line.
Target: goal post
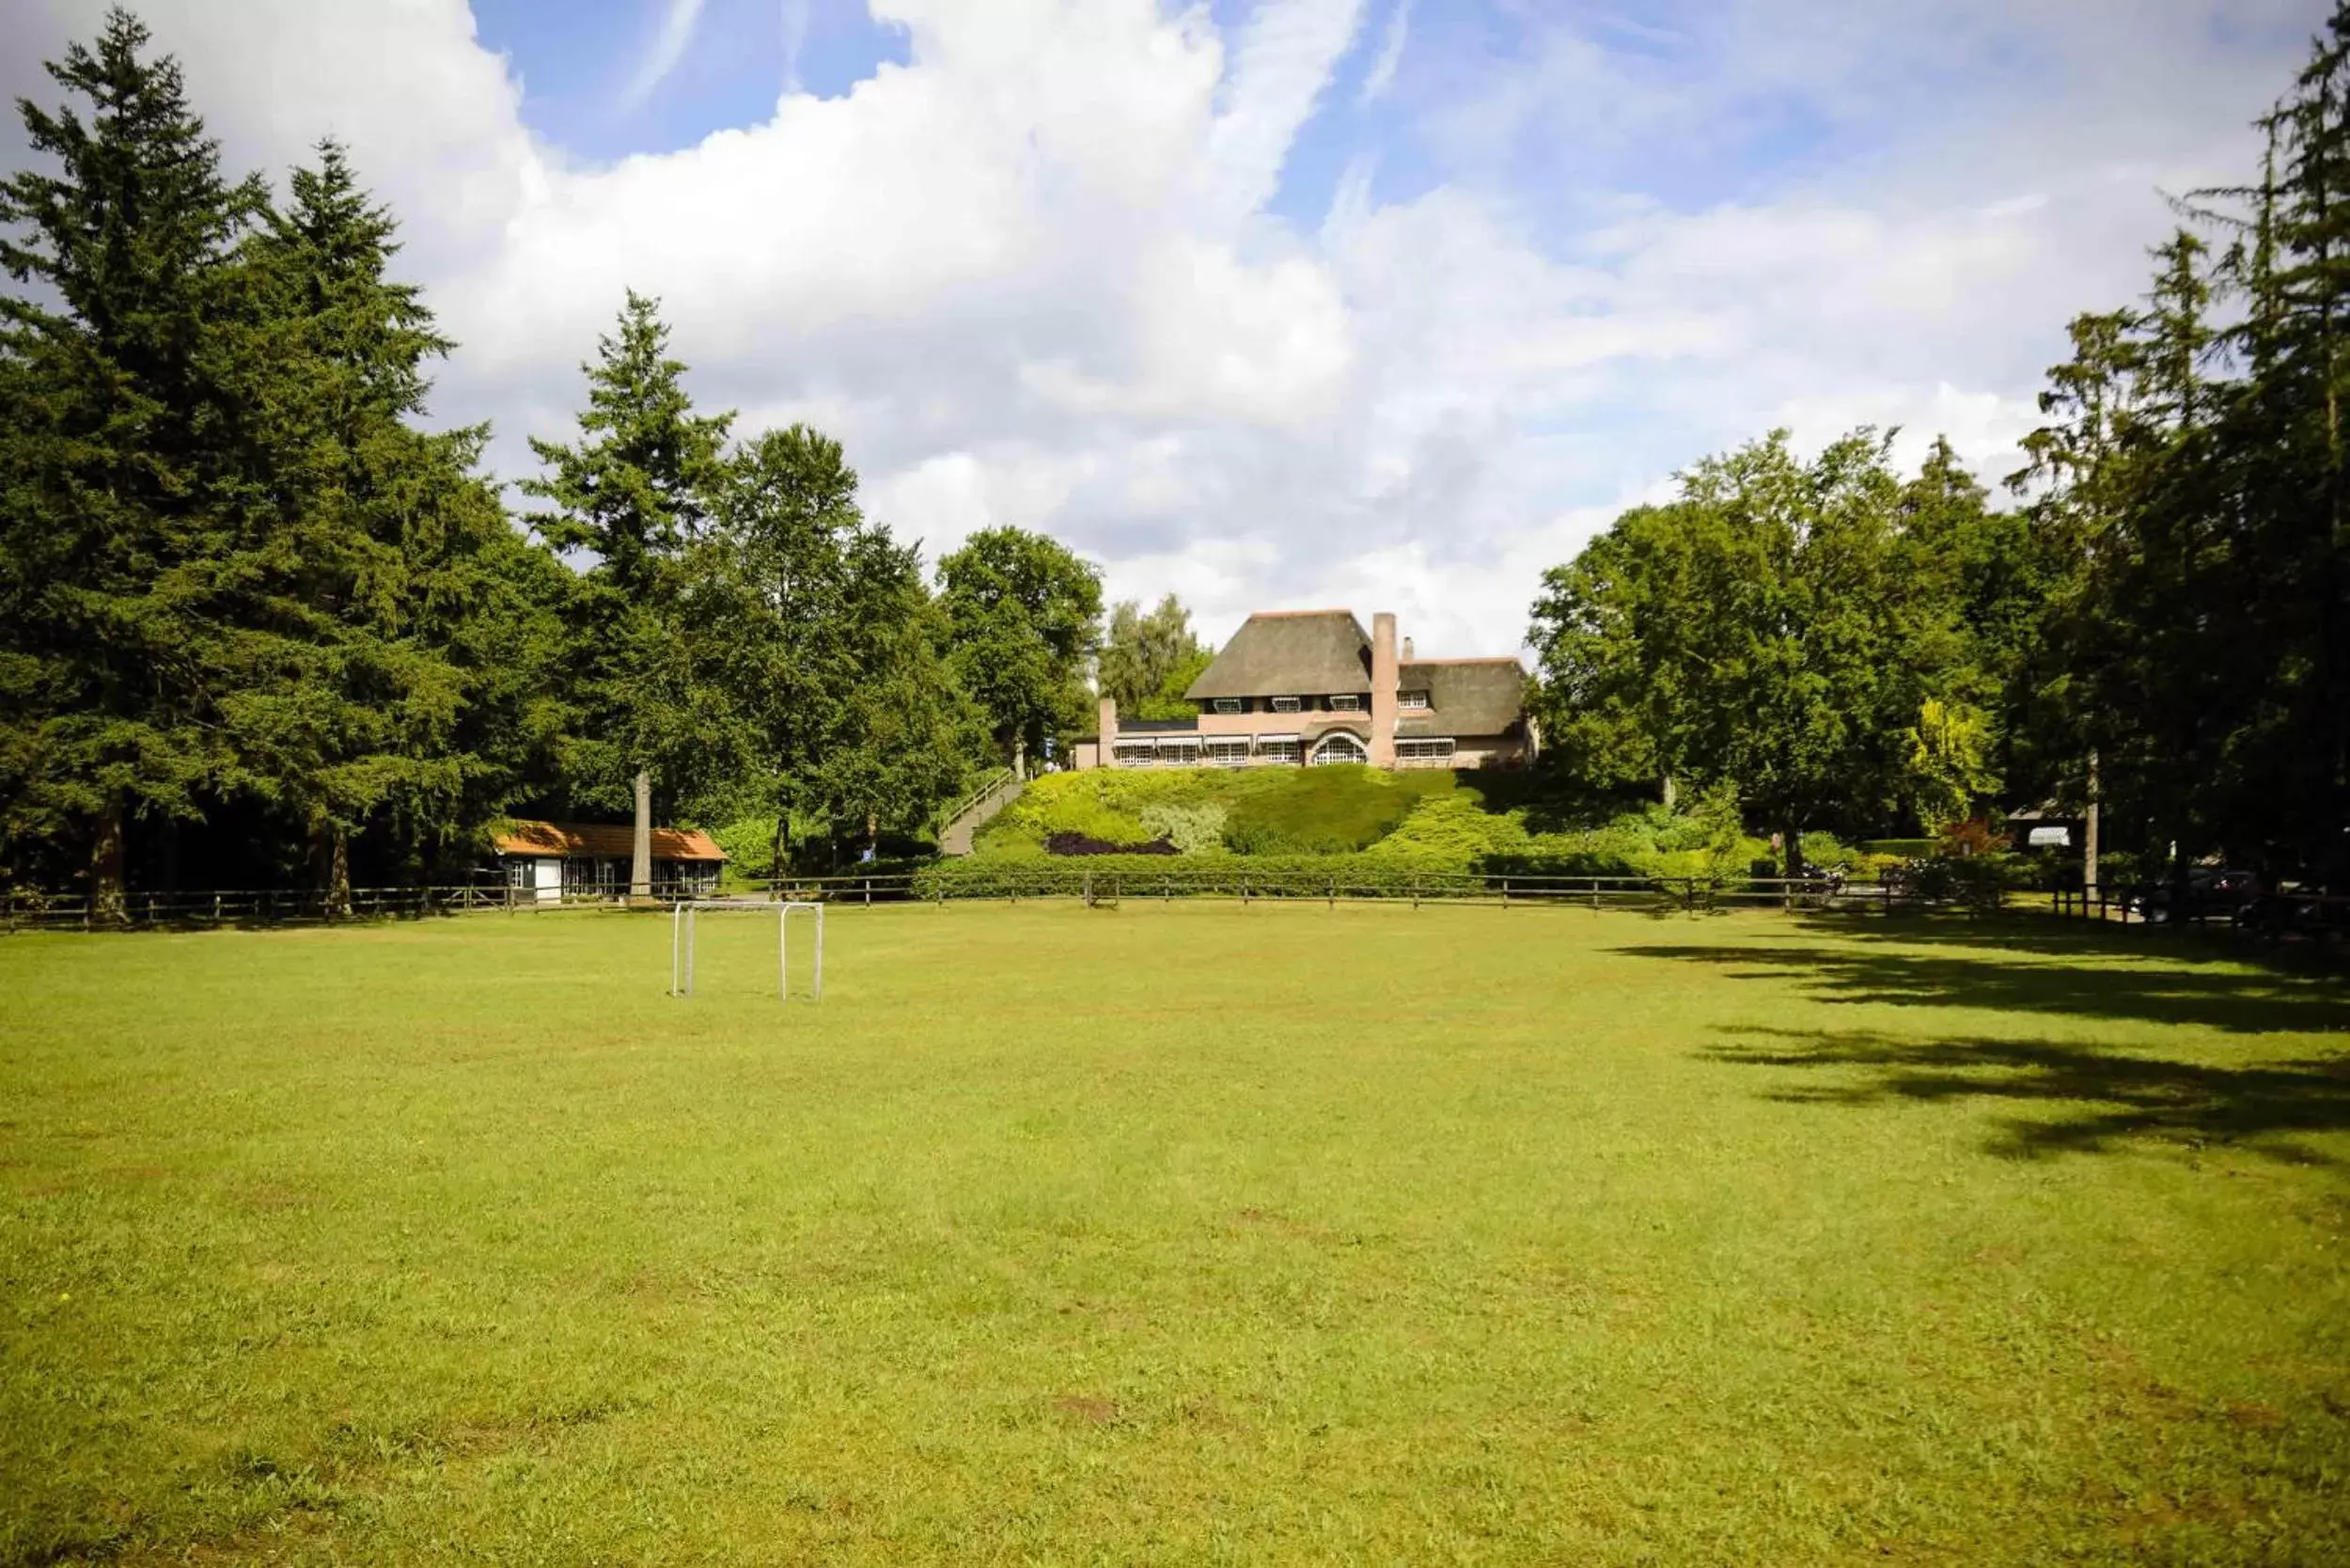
pixel 685 912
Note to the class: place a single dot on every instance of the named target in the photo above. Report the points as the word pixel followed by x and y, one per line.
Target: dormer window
pixel 1411 700
pixel 1226 705
pixel 1285 704
pixel 1346 703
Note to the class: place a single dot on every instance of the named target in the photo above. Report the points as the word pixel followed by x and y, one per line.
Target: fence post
pixel 1333 902
pixel 1415 893
pixel 1505 892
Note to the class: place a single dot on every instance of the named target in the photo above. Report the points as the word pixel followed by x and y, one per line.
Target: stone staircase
pixel 975 810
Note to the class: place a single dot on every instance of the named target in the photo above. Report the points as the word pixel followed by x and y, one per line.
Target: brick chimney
pixel 1109 732
pixel 1382 690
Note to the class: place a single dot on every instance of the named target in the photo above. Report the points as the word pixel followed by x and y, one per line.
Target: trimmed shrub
pixel 1191 829
pixel 1305 876
pixel 1900 849
pixel 1327 811
pixel 1078 843
pixel 1826 851
pixel 1455 827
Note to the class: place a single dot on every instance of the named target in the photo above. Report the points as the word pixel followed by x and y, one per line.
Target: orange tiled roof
pixel 616 840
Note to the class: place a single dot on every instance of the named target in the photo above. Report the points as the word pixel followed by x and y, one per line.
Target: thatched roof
pixel 602 840
pixel 1289 653
pixel 1465 696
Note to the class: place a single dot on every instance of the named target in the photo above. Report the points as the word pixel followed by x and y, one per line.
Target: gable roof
pixel 616 841
pixel 1465 696
pixel 1289 653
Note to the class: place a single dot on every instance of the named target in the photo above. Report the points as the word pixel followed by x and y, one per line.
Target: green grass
pixel 1172 1234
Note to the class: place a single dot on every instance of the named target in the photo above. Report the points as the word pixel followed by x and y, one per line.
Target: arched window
pixel 1339 747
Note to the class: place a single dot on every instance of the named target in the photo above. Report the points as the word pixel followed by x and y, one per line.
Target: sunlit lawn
pixel 1176 1234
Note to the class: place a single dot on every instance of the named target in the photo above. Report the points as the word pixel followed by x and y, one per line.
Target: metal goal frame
pixel 682 917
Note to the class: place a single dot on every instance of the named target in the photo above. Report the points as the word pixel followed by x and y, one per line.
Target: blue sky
pixel 578 64
pixel 1266 303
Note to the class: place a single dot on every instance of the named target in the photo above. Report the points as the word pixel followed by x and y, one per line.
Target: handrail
pixel 987 787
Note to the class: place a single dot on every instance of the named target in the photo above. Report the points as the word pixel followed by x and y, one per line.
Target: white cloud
pixel 1382 74
pixel 678 20
pixel 1031 275
pixel 796 17
pixel 1288 49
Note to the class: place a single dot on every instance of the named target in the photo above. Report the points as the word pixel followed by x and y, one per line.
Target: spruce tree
pixel 359 700
pixel 119 478
pixel 634 496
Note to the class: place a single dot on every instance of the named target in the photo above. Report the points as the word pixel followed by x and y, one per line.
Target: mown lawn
pixel 1173 1234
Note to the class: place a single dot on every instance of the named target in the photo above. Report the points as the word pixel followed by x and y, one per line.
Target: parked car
pixel 2299 908
pixel 2212 893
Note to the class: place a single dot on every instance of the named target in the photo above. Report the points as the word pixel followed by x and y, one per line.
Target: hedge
pixel 1232 876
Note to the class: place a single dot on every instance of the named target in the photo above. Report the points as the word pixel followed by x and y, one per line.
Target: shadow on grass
pixel 2111 1096
pixel 1982 977
pixel 2037 931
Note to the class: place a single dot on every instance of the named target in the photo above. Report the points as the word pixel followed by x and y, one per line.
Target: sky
pixel 1381 304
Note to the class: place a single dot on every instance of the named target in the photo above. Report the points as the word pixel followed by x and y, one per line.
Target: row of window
pixel 1187 751
pixel 1342 702
pixel 578 876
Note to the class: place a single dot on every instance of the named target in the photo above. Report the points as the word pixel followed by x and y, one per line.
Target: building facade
pixel 1305 687
pixel 553 861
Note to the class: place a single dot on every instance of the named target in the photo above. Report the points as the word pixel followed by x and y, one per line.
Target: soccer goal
pixel 687 911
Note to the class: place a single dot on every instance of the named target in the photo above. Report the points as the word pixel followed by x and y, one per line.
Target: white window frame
pixel 1316 759
pixel 1288 704
pixel 1226 705
pixel 1346 702
pixel 1281 751
pixel 1425 749
pixel 1416 701
pixel 1224 750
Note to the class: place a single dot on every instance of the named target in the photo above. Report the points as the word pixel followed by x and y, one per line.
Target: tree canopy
pixel 1024 622
pixel 260 622
pixel 1149 660
pixel 1811 634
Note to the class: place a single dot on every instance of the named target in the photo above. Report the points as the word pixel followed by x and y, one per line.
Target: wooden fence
pixel 24 909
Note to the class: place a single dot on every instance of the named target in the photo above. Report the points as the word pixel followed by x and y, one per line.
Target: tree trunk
pixel 330 868
pixel 337 870
pixel 782 853
pixel 167 855
pixel 106 861
pixel 1671 792
pixel 640 852
pixel 2089 835
pixel 1794 851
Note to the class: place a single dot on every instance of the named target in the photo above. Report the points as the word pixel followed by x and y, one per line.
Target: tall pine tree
pixel 121 445
pixel 361 702
pixel 633 497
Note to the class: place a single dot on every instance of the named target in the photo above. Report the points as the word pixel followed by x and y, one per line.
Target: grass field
pixel 1173 1234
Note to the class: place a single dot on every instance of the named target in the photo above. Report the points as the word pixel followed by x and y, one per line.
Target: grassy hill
pixel 1435 815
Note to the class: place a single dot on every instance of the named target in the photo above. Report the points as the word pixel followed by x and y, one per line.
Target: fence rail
pixel 23 909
